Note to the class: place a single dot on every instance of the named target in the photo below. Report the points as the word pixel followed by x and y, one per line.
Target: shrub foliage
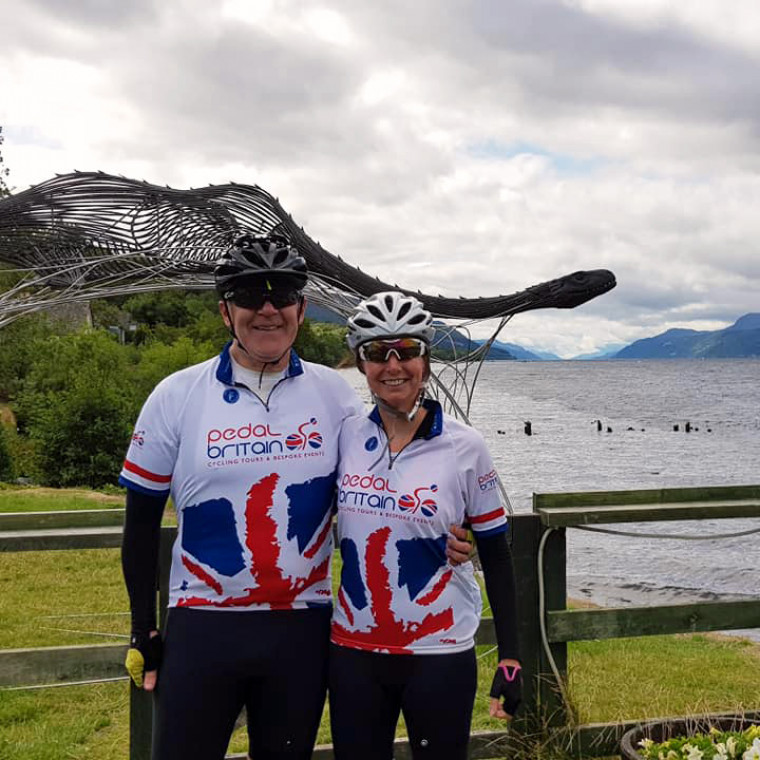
pixel 77 394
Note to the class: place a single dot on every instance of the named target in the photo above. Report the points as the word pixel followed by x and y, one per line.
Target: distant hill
pixel 740 340
pixel 463 344
pixel 605 352
pixel 524 354
pixel 320 314
pixel 500 351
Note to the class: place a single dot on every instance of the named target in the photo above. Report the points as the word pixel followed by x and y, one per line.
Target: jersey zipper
pixel 256 395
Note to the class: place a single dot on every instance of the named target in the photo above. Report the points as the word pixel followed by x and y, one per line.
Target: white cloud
pixel 460 148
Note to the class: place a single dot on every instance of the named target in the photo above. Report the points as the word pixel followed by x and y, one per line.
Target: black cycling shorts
pixel 434 692
pixel 215 662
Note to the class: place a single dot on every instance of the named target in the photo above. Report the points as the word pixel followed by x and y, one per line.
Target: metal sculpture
pixel 91 235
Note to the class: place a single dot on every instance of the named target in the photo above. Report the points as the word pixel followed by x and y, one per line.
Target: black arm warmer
pixel 496 561
pixel 139 556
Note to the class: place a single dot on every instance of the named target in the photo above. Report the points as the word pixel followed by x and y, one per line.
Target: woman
pixel 403 626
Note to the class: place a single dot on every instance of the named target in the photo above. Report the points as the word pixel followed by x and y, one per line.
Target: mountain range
pixel 740 340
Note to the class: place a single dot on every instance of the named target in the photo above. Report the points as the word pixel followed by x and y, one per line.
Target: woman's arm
pixel 496 561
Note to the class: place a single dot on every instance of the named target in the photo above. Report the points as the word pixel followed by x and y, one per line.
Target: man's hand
pixel 144 658
pixel 507 685
pixel 458 548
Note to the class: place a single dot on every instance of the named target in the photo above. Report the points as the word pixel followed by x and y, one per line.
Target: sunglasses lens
pixel 282 298
pixel 255 299
pixel 403 348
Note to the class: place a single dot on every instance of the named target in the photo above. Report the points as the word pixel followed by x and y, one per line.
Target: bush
pixel 77 406
pixel 6 460
pixel 81 438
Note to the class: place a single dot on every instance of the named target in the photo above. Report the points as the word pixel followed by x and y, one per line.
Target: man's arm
pixel 458 545
pixel 139 562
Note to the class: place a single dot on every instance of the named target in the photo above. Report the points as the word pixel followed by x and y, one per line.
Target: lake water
pixel 640 401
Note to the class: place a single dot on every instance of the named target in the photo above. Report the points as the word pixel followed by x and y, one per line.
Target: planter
pixel 663 730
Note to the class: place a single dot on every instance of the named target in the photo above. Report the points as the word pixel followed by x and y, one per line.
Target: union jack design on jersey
pixel 253 498
pixel 261 555
pixel 397 592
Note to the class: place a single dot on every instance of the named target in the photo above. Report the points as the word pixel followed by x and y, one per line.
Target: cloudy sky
pixel 467 147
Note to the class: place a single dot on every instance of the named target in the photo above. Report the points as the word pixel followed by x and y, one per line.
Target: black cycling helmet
pixel 258 256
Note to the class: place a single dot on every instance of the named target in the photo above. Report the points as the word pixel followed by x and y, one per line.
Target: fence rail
pixel 536 536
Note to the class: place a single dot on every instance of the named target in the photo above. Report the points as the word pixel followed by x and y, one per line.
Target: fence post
pixel 555 598
pixel 542 702
pixel 140 701
pixel 140 723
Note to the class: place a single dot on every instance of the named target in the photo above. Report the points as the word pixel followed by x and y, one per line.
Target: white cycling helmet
pixel 389 315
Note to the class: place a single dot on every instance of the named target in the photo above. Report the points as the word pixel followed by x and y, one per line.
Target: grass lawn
pixel 77 597
pixel 37 499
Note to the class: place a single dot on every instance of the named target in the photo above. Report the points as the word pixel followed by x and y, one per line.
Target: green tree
pixel 322 343
pixel 20 341
pixel 77 405
pixel 3 170
pixel 158 360
pixel 167 307
pixel 6 460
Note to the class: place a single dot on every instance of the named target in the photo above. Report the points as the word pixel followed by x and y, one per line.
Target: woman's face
pixel 398 383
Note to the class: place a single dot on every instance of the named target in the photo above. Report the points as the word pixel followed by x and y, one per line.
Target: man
pixel 246 444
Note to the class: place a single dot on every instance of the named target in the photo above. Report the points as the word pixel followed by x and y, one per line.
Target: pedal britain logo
pixel 488 481
pixel 259 442
pixel 373 493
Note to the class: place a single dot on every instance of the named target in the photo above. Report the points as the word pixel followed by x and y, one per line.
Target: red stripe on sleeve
pixel 146 473
pixel 487 516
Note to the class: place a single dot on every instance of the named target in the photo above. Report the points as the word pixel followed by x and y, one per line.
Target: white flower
pixel 645 744
pixel 721 753
pixel 731 746
pixel 694 753
pixel 753 753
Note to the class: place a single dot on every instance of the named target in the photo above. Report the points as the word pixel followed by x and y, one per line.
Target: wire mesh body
pixel 90 235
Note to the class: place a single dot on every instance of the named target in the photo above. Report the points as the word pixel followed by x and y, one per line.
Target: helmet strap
pixel 233 335
pixel 398 413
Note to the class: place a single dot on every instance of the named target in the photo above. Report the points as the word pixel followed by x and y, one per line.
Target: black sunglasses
pixel 255 298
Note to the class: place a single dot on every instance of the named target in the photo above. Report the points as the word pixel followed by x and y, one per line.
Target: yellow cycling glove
pixel 144 654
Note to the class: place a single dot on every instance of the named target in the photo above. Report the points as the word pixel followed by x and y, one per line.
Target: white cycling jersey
pixel 397 593
pixel 252 482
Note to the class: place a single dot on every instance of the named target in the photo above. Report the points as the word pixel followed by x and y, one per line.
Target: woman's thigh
pixel 365 701
pixel 437 705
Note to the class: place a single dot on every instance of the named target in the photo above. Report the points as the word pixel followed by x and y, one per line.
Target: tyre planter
pixel 662 731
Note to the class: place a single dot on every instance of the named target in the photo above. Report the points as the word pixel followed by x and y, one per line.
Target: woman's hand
pixel 458 548
pixel 507 685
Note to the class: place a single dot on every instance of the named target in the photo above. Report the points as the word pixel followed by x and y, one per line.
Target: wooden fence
pixel 544 622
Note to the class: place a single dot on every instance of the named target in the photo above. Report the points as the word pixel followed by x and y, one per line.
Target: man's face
pixel 265 333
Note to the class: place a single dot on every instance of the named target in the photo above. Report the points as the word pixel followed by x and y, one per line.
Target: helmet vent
pixel 374 311
pixel 402 312
pixel 389 302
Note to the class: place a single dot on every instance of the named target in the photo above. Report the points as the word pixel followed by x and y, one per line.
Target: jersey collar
pixel 224 368
pixel 430 427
